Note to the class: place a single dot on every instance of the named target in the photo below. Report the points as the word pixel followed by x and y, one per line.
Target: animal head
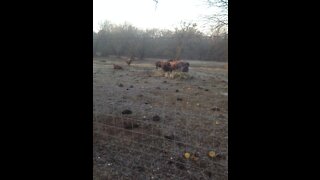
pixel 185 68
pixel 166 66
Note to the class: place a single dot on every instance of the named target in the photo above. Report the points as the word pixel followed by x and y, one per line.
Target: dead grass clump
pixel 179 75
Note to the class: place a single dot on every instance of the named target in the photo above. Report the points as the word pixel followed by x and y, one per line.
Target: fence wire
pixel 164 126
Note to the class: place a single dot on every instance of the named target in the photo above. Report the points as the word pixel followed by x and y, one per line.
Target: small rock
pixel 179 99
pixel 206 89
pixel 170 162
pixel 120 85
pixel 130 126
pixel 215 109
pixel 127 111
pixel 164 81
pixel 177 90
pixel 171 137
pixel 131 86
pixel 156 118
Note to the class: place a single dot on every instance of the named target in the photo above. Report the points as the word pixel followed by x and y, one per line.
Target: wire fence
pixel 153 130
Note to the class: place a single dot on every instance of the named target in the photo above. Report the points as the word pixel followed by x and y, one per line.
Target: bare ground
pixel 168 118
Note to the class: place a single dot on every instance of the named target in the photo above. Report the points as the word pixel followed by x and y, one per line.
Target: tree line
pixel 185 42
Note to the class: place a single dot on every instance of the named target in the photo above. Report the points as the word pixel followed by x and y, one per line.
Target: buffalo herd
pixel 173 65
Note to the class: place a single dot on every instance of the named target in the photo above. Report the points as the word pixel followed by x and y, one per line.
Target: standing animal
pixel 165 66
pixel 159 64
pixel 172 65
pixel 117 66
pixel 179 65
pixel 183 66
pixel 129 61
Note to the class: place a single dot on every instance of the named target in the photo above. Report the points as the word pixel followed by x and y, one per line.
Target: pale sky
pixel 144 15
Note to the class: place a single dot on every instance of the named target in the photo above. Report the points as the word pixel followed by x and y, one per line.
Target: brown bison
pixel 165 66
pixel 159 64
pixel 172 65
pixel 117 66
pixel 183 66
pixel 179 65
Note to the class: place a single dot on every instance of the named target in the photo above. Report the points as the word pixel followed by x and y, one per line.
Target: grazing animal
pixel 182 66
pixel 179 65
pixel 172 65
pixel 117 66
pixel 158 64
pixel 166 66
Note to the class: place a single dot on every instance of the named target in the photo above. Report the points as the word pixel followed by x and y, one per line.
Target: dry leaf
pixel 187 155
pixel 212 154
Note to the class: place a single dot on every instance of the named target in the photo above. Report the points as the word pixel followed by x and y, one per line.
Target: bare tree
pixel 156 1
pixel 218 21
pixel 185 42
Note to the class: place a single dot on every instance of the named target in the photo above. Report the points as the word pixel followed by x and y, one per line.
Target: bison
pixel 165 66
pixel 117 66
pixel 182 66
pixel 179 65
pixel 172 65
pixel 158 64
